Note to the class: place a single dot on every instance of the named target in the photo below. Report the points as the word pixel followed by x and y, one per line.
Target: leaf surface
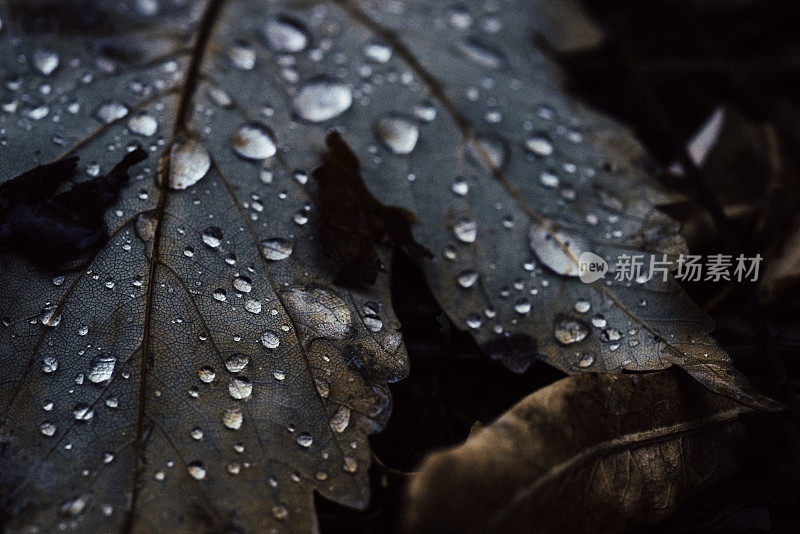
pixel 201 371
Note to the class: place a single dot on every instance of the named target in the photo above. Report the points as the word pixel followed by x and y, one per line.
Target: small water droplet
pixel 196 470
pixel 283 34
pixel 212 236
pixel 237 362
pixel 45 61
pixel 47 428
pixel 582 306
pixel 586 360
pixel 539 144
pixel 242 55
pixel 232 419
pixel 243 284
pixel 253 141
pixel 400 135
pixel 321 99
pixel 378 52
pixel 270 339
pixel 143 124
pixel 340 419
pixel 466 230
pixel 102 369
pixel 240 388
pixel 109 112
pixel 305 440
pixel 206 374
pixel 82 412
pixel 467 278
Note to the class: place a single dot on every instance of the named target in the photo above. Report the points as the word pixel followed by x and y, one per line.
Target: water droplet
pixel 232 418
pixel 586 360
pixel 283 34
pixel 219 96
pixel 466 230
pixel 253 305
pixel 196 470
pixel 610 334
pixel 378 52
pixel 373 323
pixel 253 141
pixel 109 112
pixel 240 388
pixel 220 295
pixel 212 236
pixel 398 134
pixel 549 180
pixel 197 433
pixel 522 306
pixel 45 61
pixel 102 369
pixel 460 187
pixel 350 464
pixel 340 419
pixel 280 512
pixel 243 284
pixel 467 278
pixel 557 249
pixel 570 331
pixel 76 506
pixel 49 316
pixel 539 144
pixel 206 374
pixel 47 428
pixel 270 339
pixel 305 440
pixel 143 124
pixel 82 412
pixel 599 321
pixel 582 306
pixel 481 54
pixel 49 364
pixel 321 99
pixel 276 248
pixel 188 163
pixel 242 55
pixel 237 362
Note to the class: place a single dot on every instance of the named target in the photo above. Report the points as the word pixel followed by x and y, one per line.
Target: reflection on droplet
pixel 398 134
pixel 243 284
pixel 206 374
pixel 467 278
pixel 237 362
pixel 188 163
pixel 252 141
pixel 322 99
pixel 539 145
pixel 47 428
pixel 378 52
pixel 305 440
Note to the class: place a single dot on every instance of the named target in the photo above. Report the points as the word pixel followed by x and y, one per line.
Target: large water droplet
pixel 188 163
pixel 276 248
pixel 283 34
pixel 102 369
pixel 252 141
pixel 398 134
pixel 321 99
pixel 568 330
pixel 556 248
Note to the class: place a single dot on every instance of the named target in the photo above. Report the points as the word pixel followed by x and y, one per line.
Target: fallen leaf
pixel 590 453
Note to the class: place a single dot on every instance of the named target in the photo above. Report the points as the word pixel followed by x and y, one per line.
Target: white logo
pixel 592 267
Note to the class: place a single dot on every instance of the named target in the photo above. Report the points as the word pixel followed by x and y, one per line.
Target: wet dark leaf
pixel 635 447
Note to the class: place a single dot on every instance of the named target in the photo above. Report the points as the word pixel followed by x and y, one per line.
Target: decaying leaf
pixel 635 447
